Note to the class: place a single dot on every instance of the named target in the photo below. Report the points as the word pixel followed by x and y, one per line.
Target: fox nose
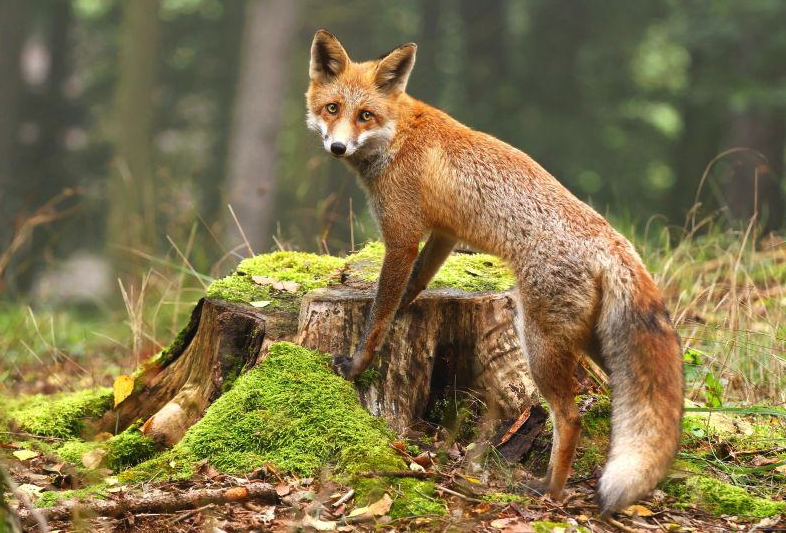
pixel 338 148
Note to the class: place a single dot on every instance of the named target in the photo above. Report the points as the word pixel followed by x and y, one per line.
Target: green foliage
pixel 60 415
pixel 292 411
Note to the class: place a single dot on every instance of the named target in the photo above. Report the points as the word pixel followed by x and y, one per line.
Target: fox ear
pixel 328 57
pixel 394 68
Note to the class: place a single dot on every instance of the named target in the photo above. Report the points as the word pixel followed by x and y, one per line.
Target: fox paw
pixel 539 486
pixel 342 365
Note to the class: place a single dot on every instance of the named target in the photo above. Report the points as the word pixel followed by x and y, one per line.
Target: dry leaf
pixel 123 387
pixel 288 286
pixel 92 459
pixel 260 303
pixel 416 467
pixel 319 525
pixel 25 455
pixel 638 510
pixel 34 491
pixel 381 506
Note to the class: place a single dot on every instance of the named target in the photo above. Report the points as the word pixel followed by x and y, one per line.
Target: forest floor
pixel 729 298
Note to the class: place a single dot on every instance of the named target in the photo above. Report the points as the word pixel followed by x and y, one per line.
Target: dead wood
pixel 157 502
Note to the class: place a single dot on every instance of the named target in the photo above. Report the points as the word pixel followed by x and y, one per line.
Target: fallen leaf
pixel 358 511
pixel 416 467
pixel 381 506
pixel 260 303
pixel 319 525
pixel 123 387
pixel 92 459
pixel 31 490
pixel 283 489
pixel 25 455
pixel 639 510
pixel 288 286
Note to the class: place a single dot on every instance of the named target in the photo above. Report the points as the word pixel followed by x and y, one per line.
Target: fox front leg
pixel 396 268
pixel 433 254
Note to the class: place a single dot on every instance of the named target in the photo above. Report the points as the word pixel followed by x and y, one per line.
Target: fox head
pixel 352 106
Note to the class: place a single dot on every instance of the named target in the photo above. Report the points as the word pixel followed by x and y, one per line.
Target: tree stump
pixel 220 341
pixel 446 341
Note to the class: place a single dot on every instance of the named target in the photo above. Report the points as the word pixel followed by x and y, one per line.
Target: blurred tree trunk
pixel 755 186
pixel 699 143
pixel 484 62
pixel 251 167
pixel 12 24
pixel 132 200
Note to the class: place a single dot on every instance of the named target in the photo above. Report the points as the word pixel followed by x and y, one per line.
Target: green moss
pixel 73 450
pixel 550 527
pixel 415 497
pixel 596 420
pixel 50 498
pixel 721 498
pixel 504 497
pixel 310 271
pixel 128 448
pixel 60 415
pixel 588 459
pixel 292 411
pixel 368 378
pixel 467 272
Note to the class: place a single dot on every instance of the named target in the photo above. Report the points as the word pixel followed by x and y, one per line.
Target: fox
pixel 582 287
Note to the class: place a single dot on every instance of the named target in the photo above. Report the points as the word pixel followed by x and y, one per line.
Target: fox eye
pixel 332 108
pixel 365 116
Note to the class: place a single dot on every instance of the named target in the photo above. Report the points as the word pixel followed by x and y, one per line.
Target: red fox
pixel 583 287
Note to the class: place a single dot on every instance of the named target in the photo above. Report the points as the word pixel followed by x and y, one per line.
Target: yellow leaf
pixel 638 510
pixel 123 387
pixel 25 455
pixel 260 303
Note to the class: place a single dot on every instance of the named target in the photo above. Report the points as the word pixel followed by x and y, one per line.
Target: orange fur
pixel 583 287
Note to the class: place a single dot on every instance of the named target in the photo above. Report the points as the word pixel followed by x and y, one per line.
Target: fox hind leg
pixel 553 369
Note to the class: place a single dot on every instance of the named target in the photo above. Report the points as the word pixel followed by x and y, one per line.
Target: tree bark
pixel 251 167
pixel 220 341
pixel 447 341
pixel 447 344
pixel 166 502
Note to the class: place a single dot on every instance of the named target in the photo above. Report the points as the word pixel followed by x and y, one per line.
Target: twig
pixel 345 498
pixel 619 525
pixel 240 228
pixel 190 513
pixel 167 502
pixel 459 495
pixel 32 436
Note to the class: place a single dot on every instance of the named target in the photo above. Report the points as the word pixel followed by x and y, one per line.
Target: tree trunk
pixel 251 166
pixel 12 27
pixel 446 343
pixel 132 209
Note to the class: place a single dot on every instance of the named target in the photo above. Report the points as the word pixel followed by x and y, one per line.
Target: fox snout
pixel 338 148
